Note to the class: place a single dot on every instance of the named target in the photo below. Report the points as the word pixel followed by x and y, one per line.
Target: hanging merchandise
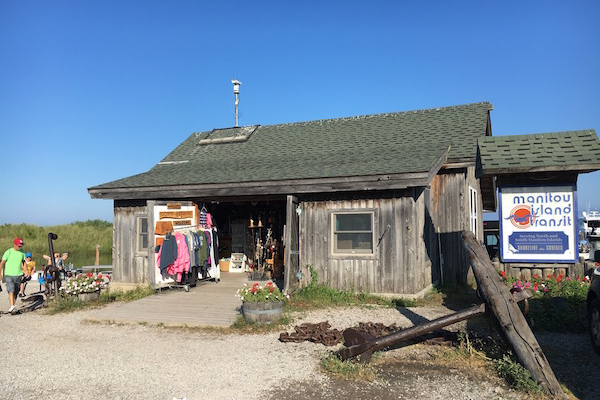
pixel 203 214
pixel 182 262
pixel 167 253
pixel 187 254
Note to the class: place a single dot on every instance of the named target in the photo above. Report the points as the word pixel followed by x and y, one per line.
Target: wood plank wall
pixel 128 267
pixel 400 263
pixel 450 212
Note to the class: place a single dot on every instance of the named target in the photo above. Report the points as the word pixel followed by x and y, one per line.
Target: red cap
pixel 18 242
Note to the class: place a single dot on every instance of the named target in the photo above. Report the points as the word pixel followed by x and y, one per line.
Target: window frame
pixel 139 234
pixel 334 252
pixel 473 210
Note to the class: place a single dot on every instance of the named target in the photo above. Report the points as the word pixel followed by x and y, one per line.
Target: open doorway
pixel 251 237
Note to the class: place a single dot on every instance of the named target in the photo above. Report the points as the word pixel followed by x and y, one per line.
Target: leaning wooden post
pixel 512 322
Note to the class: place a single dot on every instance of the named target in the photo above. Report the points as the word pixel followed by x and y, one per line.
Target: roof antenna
pixel 236 91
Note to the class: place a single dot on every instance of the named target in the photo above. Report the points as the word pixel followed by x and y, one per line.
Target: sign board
pixel 538 224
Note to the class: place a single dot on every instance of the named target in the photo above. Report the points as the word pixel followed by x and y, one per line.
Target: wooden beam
pixel 512 322
pixel 360 344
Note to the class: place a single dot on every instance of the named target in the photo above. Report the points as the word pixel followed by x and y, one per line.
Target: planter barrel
pixel 262 312
pixel 89 296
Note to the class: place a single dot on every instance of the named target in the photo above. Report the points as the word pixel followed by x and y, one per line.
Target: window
pixel 473 210
pixel 352 233
pixel 142 235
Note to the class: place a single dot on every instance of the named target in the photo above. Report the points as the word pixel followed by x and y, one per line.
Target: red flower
pixel 89 274
pixel 503 274
pixel 271 288
pixel 99 276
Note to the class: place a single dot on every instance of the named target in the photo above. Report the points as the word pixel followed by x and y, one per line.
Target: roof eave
pixel 580 168
pixel 257 188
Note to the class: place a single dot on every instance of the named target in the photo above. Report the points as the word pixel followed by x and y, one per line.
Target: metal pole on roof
pixel 236 91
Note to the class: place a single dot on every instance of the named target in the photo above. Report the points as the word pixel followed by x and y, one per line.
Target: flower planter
pixel 89 296
pixel 262 312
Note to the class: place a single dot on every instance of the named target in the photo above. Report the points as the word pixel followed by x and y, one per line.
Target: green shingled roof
pixel 393 143
pixel 560 151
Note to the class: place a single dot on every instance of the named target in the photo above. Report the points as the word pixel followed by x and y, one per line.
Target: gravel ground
pixel 63 357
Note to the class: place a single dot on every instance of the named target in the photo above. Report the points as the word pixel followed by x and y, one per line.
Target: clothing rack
pixel 194 228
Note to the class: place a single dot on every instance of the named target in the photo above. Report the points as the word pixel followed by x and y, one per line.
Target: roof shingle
pixel 558 151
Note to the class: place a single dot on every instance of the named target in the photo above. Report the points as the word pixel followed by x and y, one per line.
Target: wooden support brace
pixel 504 307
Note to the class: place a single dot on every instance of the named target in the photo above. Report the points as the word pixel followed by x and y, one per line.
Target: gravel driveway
pixel 64 357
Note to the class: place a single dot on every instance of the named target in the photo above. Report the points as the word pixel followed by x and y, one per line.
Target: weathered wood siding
pixel 400 264
pixel 128 266
pixel 450 213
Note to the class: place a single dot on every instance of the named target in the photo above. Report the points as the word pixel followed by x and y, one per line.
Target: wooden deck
pixel 207 304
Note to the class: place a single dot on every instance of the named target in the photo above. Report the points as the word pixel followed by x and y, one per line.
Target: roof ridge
pixel 527 136
pixel 366 116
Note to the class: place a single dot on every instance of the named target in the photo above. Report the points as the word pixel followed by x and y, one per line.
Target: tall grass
pixel 317 295
pixel 78 238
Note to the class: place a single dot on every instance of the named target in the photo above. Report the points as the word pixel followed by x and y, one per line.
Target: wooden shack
pixel 373 203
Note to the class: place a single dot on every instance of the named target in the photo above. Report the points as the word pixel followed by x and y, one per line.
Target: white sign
pixel 538 224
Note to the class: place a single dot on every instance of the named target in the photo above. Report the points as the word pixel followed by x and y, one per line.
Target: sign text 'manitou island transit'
pixel 545 213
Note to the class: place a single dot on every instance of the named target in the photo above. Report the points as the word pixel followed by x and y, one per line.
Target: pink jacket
pixel 182 263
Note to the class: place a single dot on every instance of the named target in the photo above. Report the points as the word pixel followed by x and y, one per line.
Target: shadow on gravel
pixel 574 362
pixel 399 380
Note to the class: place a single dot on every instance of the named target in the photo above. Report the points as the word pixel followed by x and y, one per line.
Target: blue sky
pixel 93 91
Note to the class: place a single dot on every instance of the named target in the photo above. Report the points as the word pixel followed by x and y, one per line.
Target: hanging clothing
pixel 182 262
pixel 195 240
pixel 203 213
pixel 168 252
pixel 214 270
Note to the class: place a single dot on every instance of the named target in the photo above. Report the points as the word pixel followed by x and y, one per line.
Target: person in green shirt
pixel 13 268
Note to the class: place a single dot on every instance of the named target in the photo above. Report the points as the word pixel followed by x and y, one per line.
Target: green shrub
pixel 516 375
